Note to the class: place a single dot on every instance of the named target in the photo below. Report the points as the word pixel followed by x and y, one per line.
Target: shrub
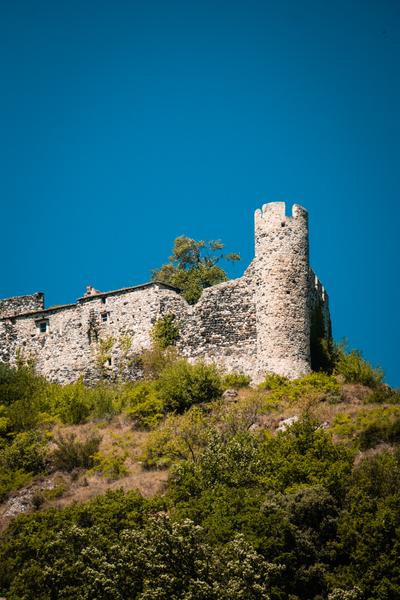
pixel 243 413
pixel 325 387
pixel 180 437
pixel 72 403
pixel 145 408
pixel 370 521
pixel 383 394
pixel 235 380
pixel 25 453
pixel 183 384
pixel 376 433
pixel 273 381
pixel 102 401
pixel 37 500
pixel 340 594
pixel 11 480
pixel 71 453
pixel 165 331
pixel 355 369
pixel 154 360
pixel 56 492
pixel 104 351
pixel 20 393
pixel 312 385
pixel 368 427
pixel 16 384
pixel 110 464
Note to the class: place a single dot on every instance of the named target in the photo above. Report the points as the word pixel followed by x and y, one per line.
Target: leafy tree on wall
pixel 194 266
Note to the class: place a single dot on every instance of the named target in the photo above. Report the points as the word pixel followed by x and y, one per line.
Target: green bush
pixel 235 380
pixel 25 453
pixel 71 453
pixel 368 426
pixel 165 331
pixel 383 394
pixel 371 521
pixel 313 385
pixel 11 480
pixel 340 594
pixel 71 403
pixel 21 391
pixel 143 404
pixel 110 464
pixel 376 433
pixel 273 381
pixel 103 401
pixel 16 384
pixel 183 384
pixel 74 556
pixel 180 437
pixel 355 369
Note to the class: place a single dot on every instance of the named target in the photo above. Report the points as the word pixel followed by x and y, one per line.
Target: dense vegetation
pixel 194 266
pixel 256 506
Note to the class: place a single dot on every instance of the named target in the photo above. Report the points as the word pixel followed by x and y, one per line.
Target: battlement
pixel 275 231
pixel 273 214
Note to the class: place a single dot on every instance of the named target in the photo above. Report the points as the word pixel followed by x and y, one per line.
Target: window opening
pixel 43 326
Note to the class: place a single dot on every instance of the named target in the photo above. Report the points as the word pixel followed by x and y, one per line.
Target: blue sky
pixel 124 124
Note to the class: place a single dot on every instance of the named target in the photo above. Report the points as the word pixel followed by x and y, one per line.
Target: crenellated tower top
pixel 272 218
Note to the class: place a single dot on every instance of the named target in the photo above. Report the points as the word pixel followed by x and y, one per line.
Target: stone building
pixel 261 322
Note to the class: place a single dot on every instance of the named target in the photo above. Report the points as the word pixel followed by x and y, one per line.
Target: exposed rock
pixel 231 393
pixel 286 423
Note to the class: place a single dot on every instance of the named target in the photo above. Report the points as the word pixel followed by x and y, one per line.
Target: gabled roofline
pixel 128 289
pixel 46 311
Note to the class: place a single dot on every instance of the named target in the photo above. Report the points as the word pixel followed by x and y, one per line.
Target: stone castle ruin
pixel 262 322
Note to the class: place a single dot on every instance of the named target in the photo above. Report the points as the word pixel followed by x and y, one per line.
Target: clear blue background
pixel 124 124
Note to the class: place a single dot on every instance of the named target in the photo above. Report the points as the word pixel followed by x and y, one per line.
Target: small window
pixel 104 317
pixel 109 362
pixel 43 326
pixel 103 300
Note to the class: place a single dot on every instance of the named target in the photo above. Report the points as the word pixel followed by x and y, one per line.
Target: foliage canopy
pixel 193 266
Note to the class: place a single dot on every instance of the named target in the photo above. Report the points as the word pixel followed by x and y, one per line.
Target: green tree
pixel 194 266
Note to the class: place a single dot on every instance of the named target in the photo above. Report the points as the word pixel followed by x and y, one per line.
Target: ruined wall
pixel 259 323
pixel 321 329
pixel 221 327
pixel 21 304
pixel 319 301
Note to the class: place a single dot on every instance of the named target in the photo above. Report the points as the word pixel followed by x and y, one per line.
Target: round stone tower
pixel 281 291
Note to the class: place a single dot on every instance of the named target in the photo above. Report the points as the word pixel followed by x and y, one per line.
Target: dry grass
pixel 118 433
pixel 251 406
pixel 82 485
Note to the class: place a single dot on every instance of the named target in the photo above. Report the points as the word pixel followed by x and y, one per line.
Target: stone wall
pixel 282 290
pixel 255 324
pixel 71 344
pixel 319 301
pixel 221 327
pixel 21 304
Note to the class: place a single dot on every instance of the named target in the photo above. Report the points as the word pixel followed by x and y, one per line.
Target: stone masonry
pixel 256 324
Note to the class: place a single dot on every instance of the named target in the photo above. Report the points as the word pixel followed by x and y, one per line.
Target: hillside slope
pixel 193 484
